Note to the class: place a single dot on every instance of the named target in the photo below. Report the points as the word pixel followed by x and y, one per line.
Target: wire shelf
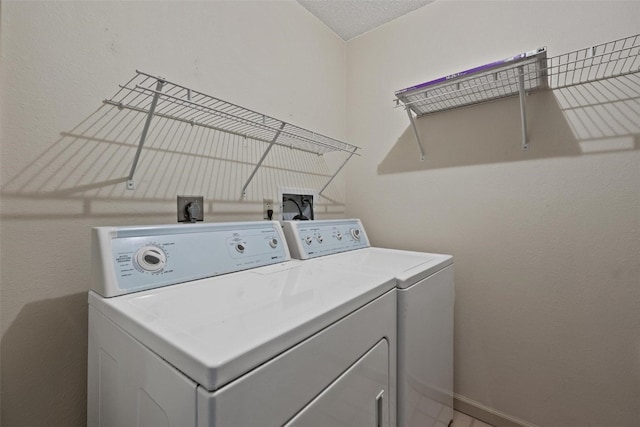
pixel 485 83
pixel 519 75
pixel 158 97
pixel 177 102
pixel 501 79
pixel 603 61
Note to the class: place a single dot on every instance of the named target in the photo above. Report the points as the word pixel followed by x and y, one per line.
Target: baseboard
pixel 484 413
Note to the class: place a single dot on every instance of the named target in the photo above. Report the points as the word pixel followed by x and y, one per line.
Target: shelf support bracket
pixel 415 131
pixel 145 130
pixel 337 172
pixel 523 113
pixel 264 155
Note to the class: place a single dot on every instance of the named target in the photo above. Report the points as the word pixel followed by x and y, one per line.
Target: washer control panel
pixel 310 239
pixel 131 259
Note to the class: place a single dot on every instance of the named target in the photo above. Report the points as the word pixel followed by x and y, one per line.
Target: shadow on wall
pixel 84 172
pixel 45 361
pixel 602 116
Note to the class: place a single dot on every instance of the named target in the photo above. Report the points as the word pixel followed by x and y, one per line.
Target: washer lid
pixel 214 330
pixel 408 267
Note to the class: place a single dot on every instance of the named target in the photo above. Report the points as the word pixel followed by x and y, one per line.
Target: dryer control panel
pixel 311 239
pixel 131 259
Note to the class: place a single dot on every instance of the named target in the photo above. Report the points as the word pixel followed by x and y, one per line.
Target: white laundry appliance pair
pixel 213 325
pixel 425 296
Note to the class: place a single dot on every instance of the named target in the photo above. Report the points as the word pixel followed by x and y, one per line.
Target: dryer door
pixel 358 398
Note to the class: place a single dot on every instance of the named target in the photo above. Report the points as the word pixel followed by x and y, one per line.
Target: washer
pixel 214 325
pixel 426 297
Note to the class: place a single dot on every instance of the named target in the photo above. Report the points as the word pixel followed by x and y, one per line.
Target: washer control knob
pixel 151 258
pixel 273 243
pixel 240 247
pixel 355 232
pixel 320 239
pixel 339 235
pixel 308 239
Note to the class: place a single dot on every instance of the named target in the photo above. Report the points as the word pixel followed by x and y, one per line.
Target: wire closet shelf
pixel 159 97
pixel 519 75
pixel 604 61
pixel 496 80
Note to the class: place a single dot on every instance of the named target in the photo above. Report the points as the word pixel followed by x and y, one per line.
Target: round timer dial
pixel 355 232
pixel 151 258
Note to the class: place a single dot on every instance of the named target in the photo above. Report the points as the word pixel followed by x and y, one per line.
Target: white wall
pixel 59 61
pixel 546 242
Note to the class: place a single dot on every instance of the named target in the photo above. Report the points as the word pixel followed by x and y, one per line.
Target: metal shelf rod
pixel 264 155
pixel 523 113
pixel 337 172
pixel 143 137
pixel 415 131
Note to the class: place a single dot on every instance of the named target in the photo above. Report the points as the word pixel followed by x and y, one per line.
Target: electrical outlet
pixel 267 206
pixel 190 208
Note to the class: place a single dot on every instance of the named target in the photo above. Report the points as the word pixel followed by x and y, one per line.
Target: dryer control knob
pixel 308 239
pixel 151 258
pixel 320 239
pixel 355 232
pixel 240 247
pixel 339 235
pixel 273 243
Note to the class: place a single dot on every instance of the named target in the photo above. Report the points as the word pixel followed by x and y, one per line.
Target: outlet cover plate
pixel 267 204
pixel 183 202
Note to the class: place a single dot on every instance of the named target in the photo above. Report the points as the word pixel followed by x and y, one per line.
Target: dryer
pixel 213 325
pixel 426 295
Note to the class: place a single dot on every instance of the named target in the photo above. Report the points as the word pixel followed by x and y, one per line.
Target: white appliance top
pixel 216 329
pixel 408 267
pixel 348 252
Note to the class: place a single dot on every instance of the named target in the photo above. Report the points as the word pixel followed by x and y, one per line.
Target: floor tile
pixel 461 420
pixel 464 420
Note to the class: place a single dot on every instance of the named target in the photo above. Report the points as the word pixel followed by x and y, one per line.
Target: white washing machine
pixel 214 325
pixel 426 297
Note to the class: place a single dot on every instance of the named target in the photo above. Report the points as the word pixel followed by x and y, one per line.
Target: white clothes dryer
pixel 426 295
pixel 213 325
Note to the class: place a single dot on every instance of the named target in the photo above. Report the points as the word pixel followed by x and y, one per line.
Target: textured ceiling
pixel 350 18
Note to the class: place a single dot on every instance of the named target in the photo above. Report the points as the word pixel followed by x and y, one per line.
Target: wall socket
pixel 267 205
pixel 189 206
